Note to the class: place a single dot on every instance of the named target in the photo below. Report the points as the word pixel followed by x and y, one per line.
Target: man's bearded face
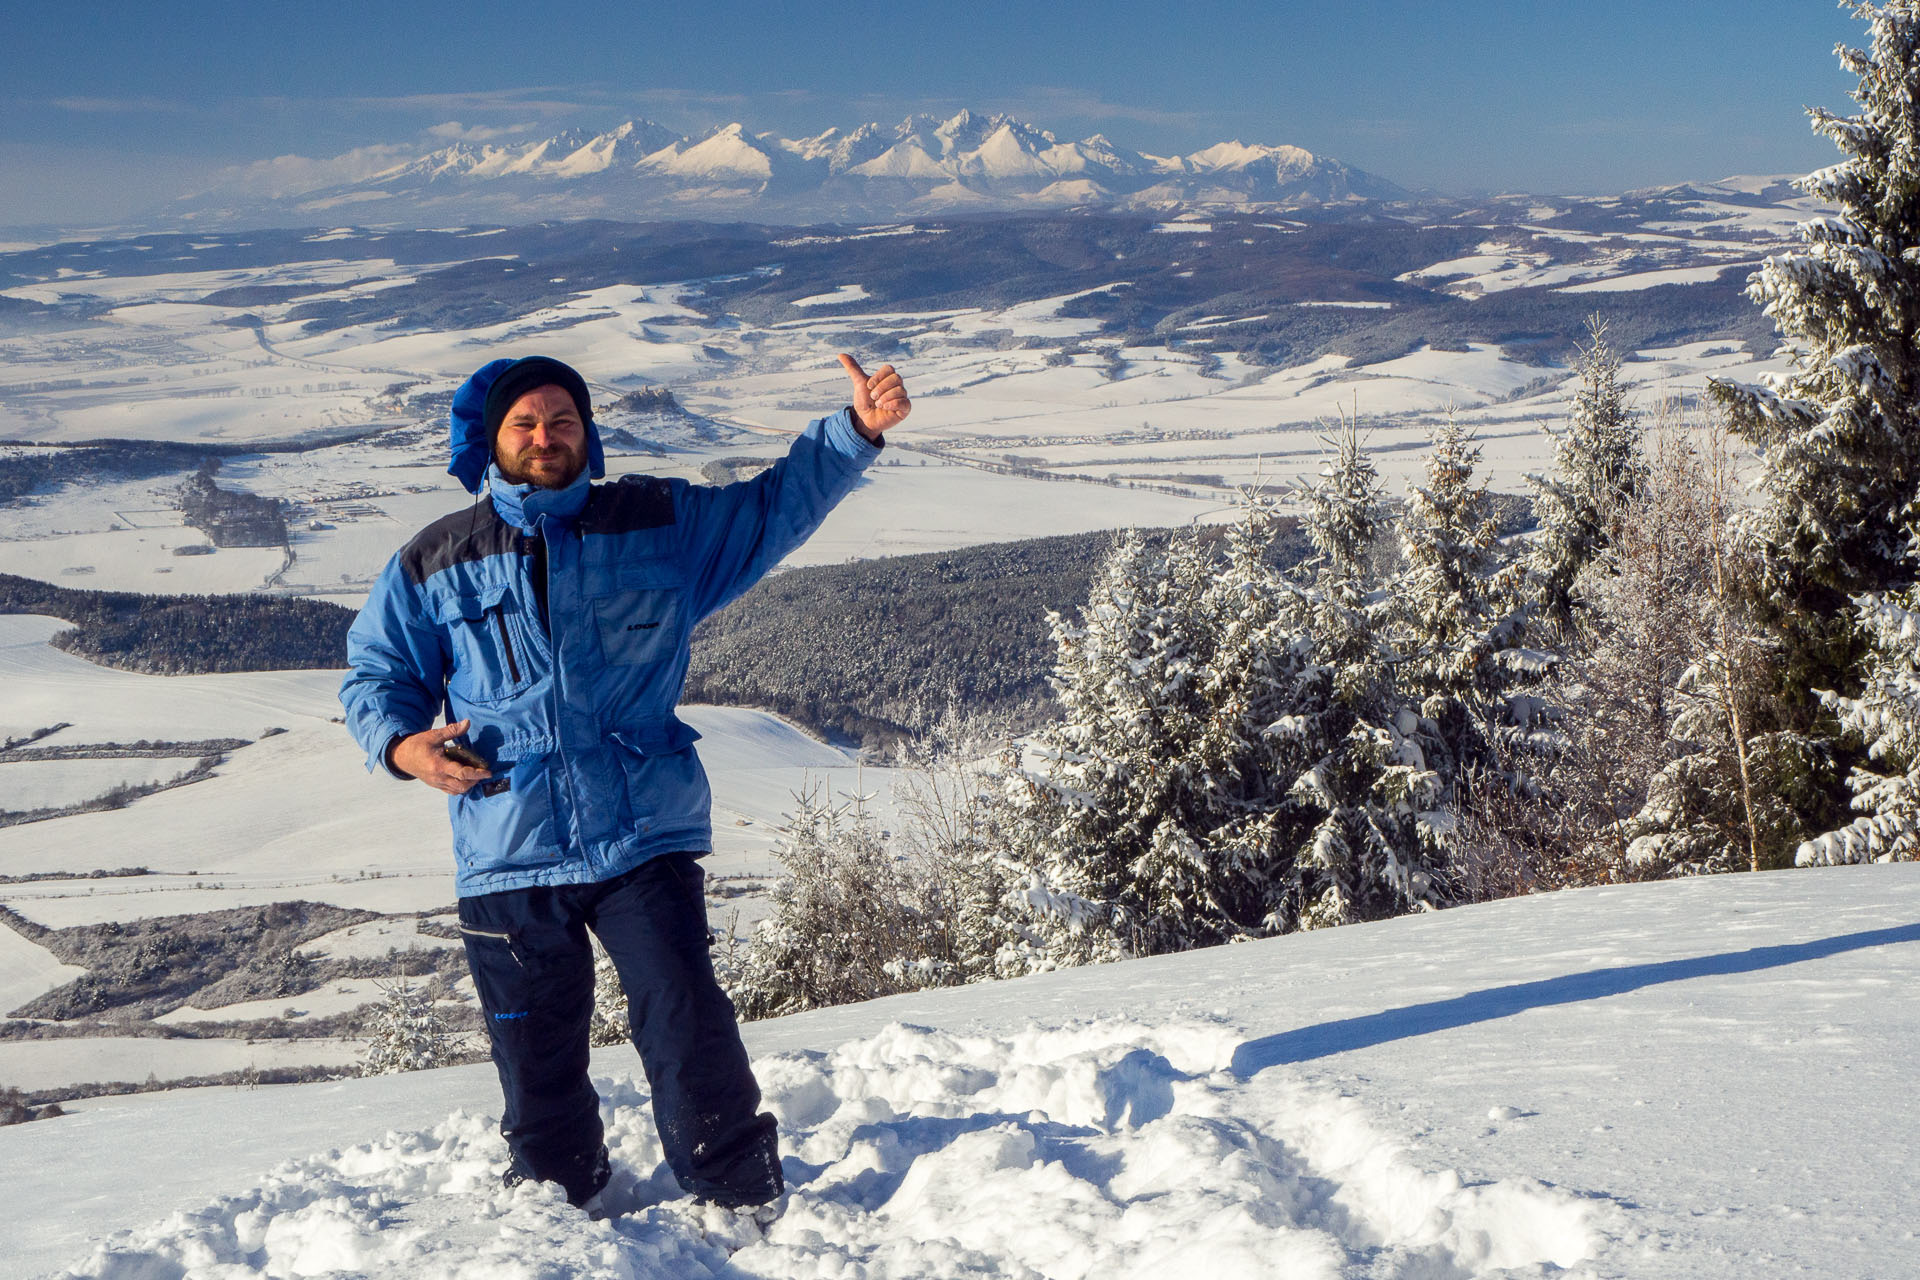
pixel 542 440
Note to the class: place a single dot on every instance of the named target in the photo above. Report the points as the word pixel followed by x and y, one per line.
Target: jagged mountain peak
pixel 966 160
pixel 1239 155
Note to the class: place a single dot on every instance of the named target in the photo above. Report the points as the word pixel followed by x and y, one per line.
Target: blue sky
pixel 107 108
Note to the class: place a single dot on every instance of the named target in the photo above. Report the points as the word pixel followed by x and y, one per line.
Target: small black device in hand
pixel 461 753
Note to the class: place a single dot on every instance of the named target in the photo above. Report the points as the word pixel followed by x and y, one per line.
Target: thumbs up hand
pixel 879 401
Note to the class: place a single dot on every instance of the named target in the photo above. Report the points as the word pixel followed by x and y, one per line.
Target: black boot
pixel 581 1179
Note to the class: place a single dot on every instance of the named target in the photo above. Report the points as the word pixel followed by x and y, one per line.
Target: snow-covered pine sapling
pixel 1597 466
pixel 1152 816
pixel 406 1031
pixel 1886 718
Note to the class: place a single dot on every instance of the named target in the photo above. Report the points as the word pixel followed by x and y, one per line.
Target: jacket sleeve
pixel 396 680
pixel 732 535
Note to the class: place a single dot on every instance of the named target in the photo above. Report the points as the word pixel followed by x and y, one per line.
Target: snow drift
pixel 1101 1149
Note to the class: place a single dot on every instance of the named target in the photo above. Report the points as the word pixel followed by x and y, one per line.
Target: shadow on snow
pixel 1327 1038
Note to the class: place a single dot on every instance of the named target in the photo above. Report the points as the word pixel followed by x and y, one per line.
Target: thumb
pixel 853 368
pixel 447 733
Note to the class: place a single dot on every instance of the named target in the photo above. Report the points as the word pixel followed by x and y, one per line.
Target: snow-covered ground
pixel 48 1064
pixel 1703 1079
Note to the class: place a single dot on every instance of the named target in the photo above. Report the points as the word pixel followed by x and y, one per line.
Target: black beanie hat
pixel 523 376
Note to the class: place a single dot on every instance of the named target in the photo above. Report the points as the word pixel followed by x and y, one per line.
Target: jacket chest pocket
pixel 492 647
pixel 639 615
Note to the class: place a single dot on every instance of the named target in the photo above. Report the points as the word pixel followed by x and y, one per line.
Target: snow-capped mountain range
pixel 921 165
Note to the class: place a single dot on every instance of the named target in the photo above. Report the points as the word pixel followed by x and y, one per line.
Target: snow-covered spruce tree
pixel 1840 430
pixel 1596 467
pixel 1457 632
pixel 1886 717
pixel 1236 878
pixel 1462 612
pixel 1152 815
pixel 405 1032
pixel 1839 433
pixel 1378 822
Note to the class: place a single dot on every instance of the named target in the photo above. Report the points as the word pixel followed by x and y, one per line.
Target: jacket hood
pixel 472 446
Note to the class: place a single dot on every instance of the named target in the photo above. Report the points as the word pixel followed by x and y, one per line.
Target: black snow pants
pixel 533 968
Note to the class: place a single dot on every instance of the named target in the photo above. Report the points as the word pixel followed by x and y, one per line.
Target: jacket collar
pixel 523 505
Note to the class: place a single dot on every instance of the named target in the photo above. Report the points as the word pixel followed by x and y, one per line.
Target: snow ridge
pixel 917 1153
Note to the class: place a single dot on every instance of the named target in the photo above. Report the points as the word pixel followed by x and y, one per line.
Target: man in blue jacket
pixel 550 622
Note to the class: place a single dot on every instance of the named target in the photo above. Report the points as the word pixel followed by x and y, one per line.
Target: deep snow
pixel 1706 1078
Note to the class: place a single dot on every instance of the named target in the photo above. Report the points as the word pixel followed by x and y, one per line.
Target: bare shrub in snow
pixel 864 912
pixel 1652 765
pixel 15 1109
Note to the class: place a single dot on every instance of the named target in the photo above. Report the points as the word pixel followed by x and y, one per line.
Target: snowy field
pixel 1704 1079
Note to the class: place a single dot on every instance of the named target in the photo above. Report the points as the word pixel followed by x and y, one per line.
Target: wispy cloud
pixel 699 99
pixel 122 106
pixel 1079 104
pixel 542 100
pixel 488 114
pixel 1037 104
pixel 454 131
pixel 292 175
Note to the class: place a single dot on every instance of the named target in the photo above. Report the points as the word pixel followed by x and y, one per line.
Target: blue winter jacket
pixel 577 715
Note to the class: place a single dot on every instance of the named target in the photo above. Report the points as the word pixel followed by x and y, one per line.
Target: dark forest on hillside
pixel 187 635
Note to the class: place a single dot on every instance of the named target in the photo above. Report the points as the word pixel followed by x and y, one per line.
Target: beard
pixel 554 467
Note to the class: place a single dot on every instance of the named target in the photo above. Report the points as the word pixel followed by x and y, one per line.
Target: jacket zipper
pixel 506 641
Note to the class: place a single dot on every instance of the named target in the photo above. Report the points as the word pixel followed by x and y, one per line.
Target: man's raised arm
pixel 734 535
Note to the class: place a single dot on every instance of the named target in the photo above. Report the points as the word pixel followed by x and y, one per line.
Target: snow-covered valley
pixel 1142 382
